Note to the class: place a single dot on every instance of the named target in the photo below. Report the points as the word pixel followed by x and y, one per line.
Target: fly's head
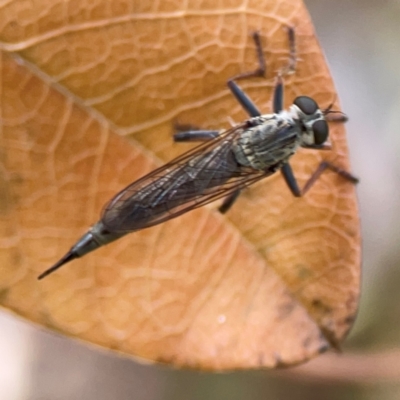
pixel 312 122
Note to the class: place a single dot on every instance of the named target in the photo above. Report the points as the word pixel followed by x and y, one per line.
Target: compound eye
pixel 306 104
pixel 321 130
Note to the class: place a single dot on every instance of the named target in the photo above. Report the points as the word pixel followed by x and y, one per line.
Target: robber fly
pixel 222 166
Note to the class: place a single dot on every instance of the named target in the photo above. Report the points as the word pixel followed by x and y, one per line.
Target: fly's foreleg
pixel 294 187
pixel 278 103
pixel 286 170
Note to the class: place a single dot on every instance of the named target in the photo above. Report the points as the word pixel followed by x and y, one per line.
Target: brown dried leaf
pixel 272 283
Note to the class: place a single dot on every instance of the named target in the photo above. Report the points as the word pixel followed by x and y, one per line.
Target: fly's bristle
pixel 67 258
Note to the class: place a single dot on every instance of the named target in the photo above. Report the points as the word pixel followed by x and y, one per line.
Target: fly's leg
pixel 239 94
pixel 228 202
pixel 294 187
pixel 288 175
pixel 192 133
pixel 287 170
pixel 262 66
pixel 291 65
pixel 248 104
pixel 242 97
pixel 278 100
pixel 278 95
pixel 244 100
pixel 195 136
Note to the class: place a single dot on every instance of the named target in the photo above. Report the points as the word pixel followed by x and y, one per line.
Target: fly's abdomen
pixel 173 192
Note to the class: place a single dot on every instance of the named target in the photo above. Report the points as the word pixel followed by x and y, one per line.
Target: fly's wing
pixel 200 176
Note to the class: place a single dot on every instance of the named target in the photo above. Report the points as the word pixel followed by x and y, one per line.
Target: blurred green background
pixel 361 40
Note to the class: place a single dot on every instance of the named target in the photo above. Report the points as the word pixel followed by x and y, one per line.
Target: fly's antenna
pixel 334 115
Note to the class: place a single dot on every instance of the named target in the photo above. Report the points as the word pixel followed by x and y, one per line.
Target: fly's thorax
pixel 268 142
